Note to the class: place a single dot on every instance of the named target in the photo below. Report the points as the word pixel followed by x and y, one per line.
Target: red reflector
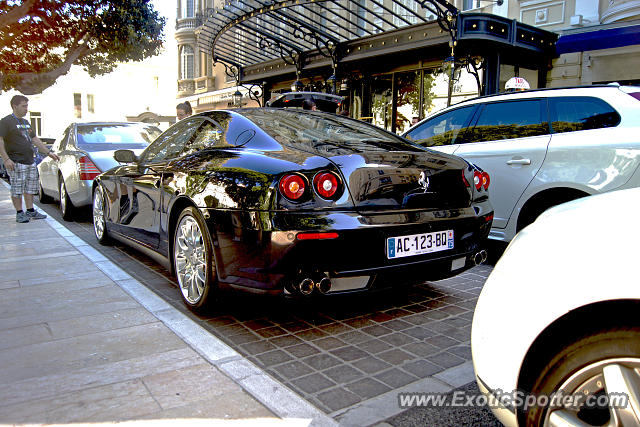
pixel 488 218
pixel 316 236
pixel 88 170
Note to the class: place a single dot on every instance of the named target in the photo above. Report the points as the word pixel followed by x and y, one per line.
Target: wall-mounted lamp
pixel 237 98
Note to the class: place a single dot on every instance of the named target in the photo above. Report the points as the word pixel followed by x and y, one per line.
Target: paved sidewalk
pixel 82 341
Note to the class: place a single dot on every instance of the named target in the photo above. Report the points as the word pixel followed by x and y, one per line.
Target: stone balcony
pixel 204 84
pixel 186 87
pixel 186 24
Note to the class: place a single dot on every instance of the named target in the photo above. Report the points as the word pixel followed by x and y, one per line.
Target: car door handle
pixel 519 162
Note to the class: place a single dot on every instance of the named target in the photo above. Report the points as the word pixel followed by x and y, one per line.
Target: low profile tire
pixel 193 261
pixel 605 362
pixel 99 212
pixel 42 195
pixel 66 207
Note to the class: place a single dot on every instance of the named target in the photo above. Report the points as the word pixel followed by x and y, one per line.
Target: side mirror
pixel 125 156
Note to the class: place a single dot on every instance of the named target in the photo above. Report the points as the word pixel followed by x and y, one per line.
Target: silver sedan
pixel 85 151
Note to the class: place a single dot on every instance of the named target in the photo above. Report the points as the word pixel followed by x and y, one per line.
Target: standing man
pixel 16 149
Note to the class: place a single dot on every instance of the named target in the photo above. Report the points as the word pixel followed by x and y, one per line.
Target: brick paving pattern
pixel 334 351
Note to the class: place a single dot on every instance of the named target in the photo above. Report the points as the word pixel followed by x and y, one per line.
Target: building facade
pixel 396 61
pixel 139 91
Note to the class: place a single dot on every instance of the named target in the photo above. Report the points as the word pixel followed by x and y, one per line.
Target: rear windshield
pixel 325 132
pixel 116 136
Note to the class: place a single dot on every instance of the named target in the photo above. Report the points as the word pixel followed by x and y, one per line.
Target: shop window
pixel 186 58
pixel 408 100
pixel 507 71
pixel 382 101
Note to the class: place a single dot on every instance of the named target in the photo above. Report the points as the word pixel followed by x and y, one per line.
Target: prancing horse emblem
pixel 423 181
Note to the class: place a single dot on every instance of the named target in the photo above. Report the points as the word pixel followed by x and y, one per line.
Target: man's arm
pixel 43 148
pixel 8 163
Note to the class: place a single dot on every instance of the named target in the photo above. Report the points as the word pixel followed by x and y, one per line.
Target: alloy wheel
pixel 63 198
pixel 190 256
pixel 98 214
pixel 602 380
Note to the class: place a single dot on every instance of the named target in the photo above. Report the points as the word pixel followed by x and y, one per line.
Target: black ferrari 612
pixel 293 202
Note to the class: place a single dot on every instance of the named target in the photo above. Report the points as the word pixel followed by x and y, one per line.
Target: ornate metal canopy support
pixel 446 15
pixel 233 70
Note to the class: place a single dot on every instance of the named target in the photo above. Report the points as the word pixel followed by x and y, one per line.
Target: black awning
pixel 250 32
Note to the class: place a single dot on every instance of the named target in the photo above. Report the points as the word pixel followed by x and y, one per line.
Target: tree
pixel 41 39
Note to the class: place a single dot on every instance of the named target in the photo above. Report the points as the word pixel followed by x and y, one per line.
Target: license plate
pixel 418 244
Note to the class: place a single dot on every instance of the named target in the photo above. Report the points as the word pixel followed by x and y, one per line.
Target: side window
pixel 510 119
pixel 171 143
pixel 208 135
pixel 444 129
pixel 569 114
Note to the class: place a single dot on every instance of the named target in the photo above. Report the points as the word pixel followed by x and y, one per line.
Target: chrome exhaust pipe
pixel 306 286
pixel 324 285
pixel 480 257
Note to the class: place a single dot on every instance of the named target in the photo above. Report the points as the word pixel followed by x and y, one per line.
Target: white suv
pixel 542 147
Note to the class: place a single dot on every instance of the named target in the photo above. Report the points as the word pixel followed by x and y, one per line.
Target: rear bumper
pixel 260 250
pixel 82 195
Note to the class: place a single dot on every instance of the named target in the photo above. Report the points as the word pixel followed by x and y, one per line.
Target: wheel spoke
pixel 98 214
pixel 620 379
pixel 199 274
pixel 193 287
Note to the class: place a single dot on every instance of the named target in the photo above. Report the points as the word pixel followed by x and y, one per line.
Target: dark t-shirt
pixel 14 131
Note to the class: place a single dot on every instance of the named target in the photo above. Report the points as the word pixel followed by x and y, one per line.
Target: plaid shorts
pixel 24 179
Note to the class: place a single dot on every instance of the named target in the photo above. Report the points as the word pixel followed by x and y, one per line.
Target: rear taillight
pixel 481 180
pixel 88 170
pixel 326 184
pixel 486 180
pixel 292 186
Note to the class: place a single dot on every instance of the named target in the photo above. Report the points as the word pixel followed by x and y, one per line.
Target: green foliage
pixel 41 39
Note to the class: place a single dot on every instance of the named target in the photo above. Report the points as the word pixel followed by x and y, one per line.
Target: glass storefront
pixel 382 101
pixel 398 100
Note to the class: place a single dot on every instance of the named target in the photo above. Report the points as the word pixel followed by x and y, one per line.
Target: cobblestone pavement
pixel 335 352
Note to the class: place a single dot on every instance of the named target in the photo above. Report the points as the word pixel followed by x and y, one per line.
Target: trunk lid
pixel 405 180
